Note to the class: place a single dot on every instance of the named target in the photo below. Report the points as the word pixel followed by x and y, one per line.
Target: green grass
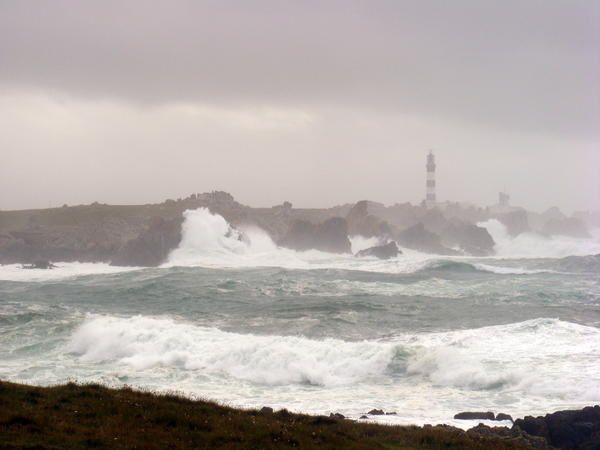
pixel 91 416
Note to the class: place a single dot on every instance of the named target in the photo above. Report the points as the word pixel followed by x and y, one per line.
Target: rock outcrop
pixel 330 236
pixel 360 222
pixel 419 238
pixel 475 416
pixel 516 222
pixel 568 226
pixel 152 246
pixel 471 238
pixel 385 251
pixel 574 430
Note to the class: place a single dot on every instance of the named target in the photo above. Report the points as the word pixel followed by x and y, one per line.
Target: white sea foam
pixel 15 272
pixel 532 245
pixel 209 241
pixel 512 358
pixel 144 343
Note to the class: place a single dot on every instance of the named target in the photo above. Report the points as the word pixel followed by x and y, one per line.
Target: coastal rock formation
pixel 329 236
pixel 385 251
pixel 568 226
pixel 475 416
pixel 152 246
pixel 471 238
pixel 510 435
pixel 516 222
pixel 419 238
pixel 360 222
pixel 576 429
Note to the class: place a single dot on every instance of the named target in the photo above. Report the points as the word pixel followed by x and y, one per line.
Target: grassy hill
pixel 91 416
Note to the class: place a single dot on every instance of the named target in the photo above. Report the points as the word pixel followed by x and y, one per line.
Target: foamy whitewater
pixel 234 318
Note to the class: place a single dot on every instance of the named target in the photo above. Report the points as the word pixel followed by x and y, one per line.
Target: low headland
pixel 74 416
pixel 144 235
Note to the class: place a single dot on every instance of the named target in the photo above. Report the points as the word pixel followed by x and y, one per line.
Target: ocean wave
pixel 513 357
pixel 64 270
pixel 532 245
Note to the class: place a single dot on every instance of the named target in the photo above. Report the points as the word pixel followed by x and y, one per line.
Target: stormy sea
pixel 233 318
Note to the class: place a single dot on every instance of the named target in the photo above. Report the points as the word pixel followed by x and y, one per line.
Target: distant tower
pixel 430 199
pixel 503 199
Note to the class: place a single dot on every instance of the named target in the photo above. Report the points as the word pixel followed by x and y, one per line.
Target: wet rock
pixel 386 251
pixel 376 412
pixel 419 238
pixel 502 416
pixel 337 416
pixel 361 222
pixel 392 413
pixel 469 415
pixel 572 429
pixel 514 436
pixel 152 246
pixel 329 236
pixel 39 264
pixel 363 417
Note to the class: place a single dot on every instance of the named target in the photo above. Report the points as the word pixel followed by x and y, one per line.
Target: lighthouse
pixel 430 199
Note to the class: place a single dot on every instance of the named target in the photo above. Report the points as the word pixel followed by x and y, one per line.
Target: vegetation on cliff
pixel 91 416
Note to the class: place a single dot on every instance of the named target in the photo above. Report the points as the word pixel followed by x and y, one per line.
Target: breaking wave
pixel 489 358
pixel 532 245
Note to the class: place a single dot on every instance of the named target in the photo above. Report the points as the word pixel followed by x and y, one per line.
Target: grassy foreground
pixel 92 416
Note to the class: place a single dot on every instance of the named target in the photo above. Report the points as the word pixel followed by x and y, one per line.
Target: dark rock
pixel 393 413
pixel 502 416
pixel 471 238
pixel 386 251
pixel 329 236
pixel 516 222
pixel 266 410
pixel 419 238
pixel 152 246
pixel 363 417
pixel 475 416
pixel 376 412
pixel 40 264
pixel 514 436
pixel 569 226
pixel 337 416
pixel 360 222
pixel 574 429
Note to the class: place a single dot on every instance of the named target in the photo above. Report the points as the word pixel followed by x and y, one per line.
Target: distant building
pixel 503 199
pixel 430 199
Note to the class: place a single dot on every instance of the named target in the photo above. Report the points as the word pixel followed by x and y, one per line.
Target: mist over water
pixel 235 318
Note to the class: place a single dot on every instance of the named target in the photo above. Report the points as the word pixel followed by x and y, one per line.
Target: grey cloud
pixel 528 65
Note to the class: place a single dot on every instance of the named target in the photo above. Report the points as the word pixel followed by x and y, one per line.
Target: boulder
pixel 385 251
pixel 337 416
pixel 475 415
pixel 569 226
pixel 39 264
pixel 266 410
pixel 502 416
pixel 572 429
pixel 330 236
pixel 473 239
pixel 516 222
pixel 419 238
pixel 360 222
pixel 152 247
pixel 376 412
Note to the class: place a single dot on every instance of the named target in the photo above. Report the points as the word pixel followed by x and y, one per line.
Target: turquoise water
pixel 423 336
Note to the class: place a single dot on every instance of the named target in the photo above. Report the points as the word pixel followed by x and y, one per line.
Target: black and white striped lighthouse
pixel 430 199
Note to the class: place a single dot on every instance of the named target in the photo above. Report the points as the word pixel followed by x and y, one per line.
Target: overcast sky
pixel 315 102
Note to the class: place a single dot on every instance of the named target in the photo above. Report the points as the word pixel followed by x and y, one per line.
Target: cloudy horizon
pixel 317 103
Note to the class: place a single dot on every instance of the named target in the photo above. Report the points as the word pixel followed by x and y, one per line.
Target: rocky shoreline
pixel 85 416
pixel 144 235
